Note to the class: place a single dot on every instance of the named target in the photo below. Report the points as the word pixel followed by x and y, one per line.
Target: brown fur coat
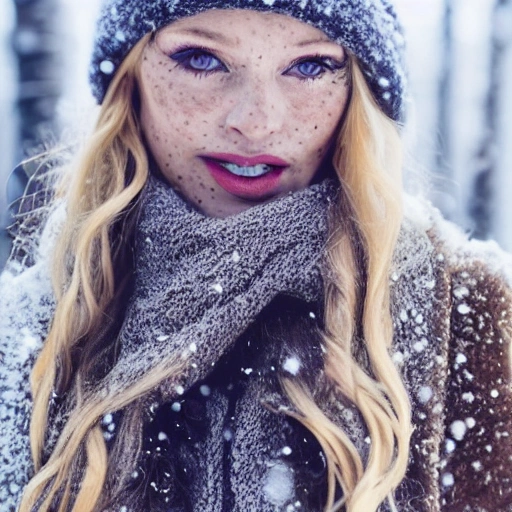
pixel 453 333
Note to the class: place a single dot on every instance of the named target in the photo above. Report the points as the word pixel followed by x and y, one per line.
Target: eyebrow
pixel 207 34
pixel 309 42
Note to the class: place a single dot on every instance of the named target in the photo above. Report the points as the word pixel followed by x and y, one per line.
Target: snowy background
pixel 459 135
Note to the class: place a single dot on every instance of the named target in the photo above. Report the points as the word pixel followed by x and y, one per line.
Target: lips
pixel 252 178
pixel 248 160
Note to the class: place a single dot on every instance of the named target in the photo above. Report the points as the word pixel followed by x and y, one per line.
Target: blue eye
pixel 198 60
pixel 310 69
pixel 203 62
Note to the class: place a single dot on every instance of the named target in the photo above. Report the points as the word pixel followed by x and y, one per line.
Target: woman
pixel 240 316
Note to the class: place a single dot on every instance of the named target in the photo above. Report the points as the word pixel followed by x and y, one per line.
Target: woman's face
pixel 240 107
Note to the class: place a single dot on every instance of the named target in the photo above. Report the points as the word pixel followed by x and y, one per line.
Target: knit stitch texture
pixel 230 269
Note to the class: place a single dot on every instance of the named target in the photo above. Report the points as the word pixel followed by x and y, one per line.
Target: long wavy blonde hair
pixel 91 260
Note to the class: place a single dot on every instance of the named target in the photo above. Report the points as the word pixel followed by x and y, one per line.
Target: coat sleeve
pixel 23 322
pixel 26 308
pixel 476 468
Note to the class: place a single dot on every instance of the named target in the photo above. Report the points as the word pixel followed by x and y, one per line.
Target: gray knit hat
pixel 367 28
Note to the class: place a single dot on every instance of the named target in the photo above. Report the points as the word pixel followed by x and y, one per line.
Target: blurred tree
pixel 482 204
pixel 38 48
pixel 445 88
pixel 444 139
pixel 37 44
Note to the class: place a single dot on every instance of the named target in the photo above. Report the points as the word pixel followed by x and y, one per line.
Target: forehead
pixel 224 24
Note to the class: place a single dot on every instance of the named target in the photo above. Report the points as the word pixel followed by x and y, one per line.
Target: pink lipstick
pixel 253 178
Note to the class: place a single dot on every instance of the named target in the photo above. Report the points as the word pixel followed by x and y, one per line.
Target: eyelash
pixel 183 57
pixel 326 63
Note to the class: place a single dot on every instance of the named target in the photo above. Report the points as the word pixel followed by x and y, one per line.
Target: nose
pixel 257 110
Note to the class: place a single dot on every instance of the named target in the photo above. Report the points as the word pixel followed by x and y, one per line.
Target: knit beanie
pixel 367 28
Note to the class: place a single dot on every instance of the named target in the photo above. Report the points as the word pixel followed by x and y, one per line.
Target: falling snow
pixel 292 365
pixel 458 429
pixel 279 484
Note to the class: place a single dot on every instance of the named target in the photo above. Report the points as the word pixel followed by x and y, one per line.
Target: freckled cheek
pixel 187 177
pixel 188 123
pixel 193 99
pixel 175 123
pixel 201 192
pixel 328 113
pixel 312 130
pixel 182 94
pixel 324 107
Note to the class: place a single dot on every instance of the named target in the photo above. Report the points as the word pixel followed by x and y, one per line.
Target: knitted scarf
pixel 201 281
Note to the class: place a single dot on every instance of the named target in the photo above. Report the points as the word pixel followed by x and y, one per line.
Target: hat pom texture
pixel 367 28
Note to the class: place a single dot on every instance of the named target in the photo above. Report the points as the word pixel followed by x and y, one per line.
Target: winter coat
pixel 452 315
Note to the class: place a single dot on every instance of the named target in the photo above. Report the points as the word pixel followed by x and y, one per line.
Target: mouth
pixel 254 171
pixel 252 178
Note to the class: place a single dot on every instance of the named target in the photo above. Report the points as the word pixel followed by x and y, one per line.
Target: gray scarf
pixel 201 281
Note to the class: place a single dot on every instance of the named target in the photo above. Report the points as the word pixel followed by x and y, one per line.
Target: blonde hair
pixel 101 197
